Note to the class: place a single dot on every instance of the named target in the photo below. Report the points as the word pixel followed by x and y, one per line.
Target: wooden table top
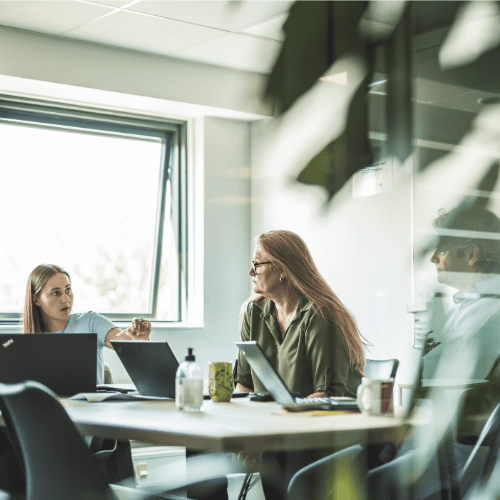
pixel 240 425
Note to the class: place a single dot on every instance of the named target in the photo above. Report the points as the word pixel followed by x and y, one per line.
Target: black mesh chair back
pixel 381 368
pixel 58 463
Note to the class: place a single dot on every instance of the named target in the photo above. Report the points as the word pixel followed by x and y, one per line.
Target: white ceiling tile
pixel 466 101
pixel 235 51
pixel 141 32
pixel 111 3
pixel 269 29
pixel 428 90
pixel 227 15
pixel 48 17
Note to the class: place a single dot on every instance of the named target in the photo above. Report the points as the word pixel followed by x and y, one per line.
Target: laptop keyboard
pixel 329 400
pixel 332 402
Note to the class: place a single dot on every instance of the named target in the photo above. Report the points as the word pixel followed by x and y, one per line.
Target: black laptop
pixel 279 391
pixel 64 362
pixel 152 366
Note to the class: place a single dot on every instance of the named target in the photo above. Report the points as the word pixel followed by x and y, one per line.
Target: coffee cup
pixel 374 397
pixel 220 381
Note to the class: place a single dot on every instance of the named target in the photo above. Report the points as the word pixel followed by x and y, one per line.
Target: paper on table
pixel 95 396
pixel 315 413
pixel 114 396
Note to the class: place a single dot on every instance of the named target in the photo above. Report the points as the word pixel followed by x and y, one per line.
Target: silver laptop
pixel 279 391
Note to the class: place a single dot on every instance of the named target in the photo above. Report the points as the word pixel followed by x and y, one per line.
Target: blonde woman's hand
pixel 140 329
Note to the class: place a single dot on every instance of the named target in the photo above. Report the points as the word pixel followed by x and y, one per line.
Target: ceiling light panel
pixel 225 15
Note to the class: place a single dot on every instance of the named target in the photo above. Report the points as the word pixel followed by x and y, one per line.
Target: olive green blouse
pixel 311 358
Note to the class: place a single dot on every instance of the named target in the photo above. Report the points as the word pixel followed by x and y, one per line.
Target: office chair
pixel 235 371
pixel 114 457
pixel 58 463
pixel 329 474
pixel 108 376
pixel 381 368
pixel 480 465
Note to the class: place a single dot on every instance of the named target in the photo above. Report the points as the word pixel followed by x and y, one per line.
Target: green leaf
pixel 317 34
pixel 334 165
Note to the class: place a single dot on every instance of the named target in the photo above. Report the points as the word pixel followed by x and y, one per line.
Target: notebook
pixel 271 379
pixel 64 362
pixel 152 367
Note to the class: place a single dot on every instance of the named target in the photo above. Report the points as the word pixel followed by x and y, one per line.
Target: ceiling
pixel 245 35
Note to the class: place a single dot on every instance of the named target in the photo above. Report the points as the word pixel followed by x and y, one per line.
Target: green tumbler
pixel 220 381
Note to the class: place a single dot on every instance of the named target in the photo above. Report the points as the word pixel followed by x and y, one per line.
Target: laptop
pixel 271 379
pixel 152 366
pixel 64 362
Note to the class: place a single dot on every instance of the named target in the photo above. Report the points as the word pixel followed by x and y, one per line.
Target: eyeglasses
pixel 255 265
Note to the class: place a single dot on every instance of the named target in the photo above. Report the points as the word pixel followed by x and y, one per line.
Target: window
pixel 101 195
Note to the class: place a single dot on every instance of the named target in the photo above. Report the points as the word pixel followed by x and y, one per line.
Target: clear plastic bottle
pixel 189 384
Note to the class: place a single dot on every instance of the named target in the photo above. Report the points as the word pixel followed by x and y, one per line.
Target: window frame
pixel 108 122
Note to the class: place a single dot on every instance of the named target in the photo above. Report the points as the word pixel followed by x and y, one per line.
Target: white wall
pixel 227 244
pixel 50 68
pixel 178 83
pixel 363 249
pixel 361 246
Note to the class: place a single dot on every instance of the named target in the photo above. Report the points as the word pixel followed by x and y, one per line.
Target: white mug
pixel 374 397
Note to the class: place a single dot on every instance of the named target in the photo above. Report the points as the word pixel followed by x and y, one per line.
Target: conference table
pixel 240 425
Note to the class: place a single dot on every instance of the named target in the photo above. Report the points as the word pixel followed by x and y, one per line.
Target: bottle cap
pixel 190 356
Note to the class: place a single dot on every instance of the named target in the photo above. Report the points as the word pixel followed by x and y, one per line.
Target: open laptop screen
pixel 64 362
pixel 266 372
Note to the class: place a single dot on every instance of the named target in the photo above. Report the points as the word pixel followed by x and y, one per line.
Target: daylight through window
pixel 100 195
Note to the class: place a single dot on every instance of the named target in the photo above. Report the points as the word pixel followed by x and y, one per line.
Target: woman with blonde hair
pixel 47 309
pixel 307 334
pixel 304 329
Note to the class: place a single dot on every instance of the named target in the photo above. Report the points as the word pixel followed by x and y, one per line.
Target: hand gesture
pixel 139 330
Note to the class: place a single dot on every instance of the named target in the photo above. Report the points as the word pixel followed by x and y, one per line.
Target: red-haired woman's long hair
pixel 33 322
pixel 290 254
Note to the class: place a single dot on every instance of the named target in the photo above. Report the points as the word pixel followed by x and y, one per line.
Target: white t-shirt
pixel 471 339
pixel 91 322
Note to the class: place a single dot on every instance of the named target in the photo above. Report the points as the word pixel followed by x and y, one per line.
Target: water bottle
pixel 189 384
